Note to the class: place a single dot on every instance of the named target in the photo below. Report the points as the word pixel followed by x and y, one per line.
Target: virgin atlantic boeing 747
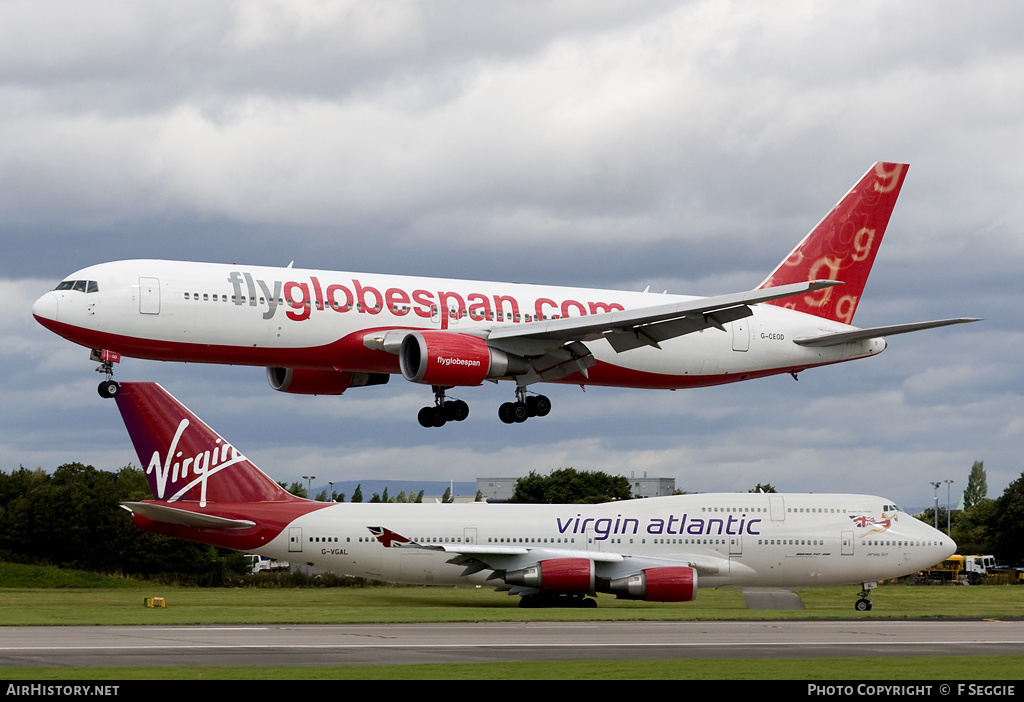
pixel 322 332
pixel 659 549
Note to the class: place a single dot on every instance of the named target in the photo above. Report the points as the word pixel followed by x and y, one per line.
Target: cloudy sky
pixel 683 145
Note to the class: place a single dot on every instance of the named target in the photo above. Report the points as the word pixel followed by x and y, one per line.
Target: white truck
pixel 977 568
pixel 262 564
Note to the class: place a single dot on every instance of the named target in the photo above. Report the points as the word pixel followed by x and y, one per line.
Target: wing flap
pixel 653 334
pixel 837 338
pixel 701 313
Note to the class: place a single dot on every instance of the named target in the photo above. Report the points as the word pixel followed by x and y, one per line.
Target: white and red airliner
pixel 659 549
pixel 322 332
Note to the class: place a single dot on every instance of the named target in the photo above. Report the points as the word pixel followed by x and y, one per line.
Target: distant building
pixel 501 489
pixel 652 487
pixel 496 489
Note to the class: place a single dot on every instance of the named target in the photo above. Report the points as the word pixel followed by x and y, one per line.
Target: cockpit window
pixel 86 286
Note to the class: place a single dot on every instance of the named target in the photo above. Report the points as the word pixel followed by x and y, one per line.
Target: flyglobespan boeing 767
pixel 323 332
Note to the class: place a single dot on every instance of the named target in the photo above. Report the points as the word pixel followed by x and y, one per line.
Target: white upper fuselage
pixel 744 539
pixel 287 317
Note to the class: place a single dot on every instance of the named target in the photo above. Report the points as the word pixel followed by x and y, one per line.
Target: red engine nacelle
pixel 664 584
pixel 311 381
pixel 454 359
pixel 563 575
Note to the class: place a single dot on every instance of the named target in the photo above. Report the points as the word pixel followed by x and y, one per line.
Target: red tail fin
pixel 842 246
pixel 184 459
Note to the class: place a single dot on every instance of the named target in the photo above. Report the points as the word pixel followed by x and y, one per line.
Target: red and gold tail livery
pixel 842 247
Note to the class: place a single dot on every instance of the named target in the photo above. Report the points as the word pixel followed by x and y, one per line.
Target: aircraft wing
pixel 477 558
pixel 183 517
pixel 836 338
pixel 647 326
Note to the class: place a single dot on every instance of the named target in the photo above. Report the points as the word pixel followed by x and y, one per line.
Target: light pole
pixel 936 516
pixel 309 483
pixel 948 483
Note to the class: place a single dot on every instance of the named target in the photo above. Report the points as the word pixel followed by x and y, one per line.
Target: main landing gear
pixel 443 411
pixel 524 407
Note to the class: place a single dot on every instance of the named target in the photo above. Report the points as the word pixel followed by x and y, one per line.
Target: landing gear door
pixel 149 296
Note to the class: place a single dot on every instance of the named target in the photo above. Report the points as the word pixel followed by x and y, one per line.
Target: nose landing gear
pixel 864 604
pixel 109 387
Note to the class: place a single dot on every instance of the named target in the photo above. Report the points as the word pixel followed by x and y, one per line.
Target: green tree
pixel 973 528
pixel 570 486
pixel 1008 524
pixel 766 487
pixel 357 495
pixel 297 489
pixel 73 518
pixel 977 485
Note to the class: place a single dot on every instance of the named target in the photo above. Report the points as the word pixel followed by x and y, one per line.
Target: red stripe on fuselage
pixel 350 354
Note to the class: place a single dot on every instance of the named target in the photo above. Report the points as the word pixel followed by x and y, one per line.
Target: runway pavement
pixel 464 643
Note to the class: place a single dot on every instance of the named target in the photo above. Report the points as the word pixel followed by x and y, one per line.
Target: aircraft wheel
pixel 863 605
pixel 109 388
pixel 542 405
pixel 506 412
pixel 520 412
pixel 456 410
pixel 425 417
pixel 431 417
pixel 439 416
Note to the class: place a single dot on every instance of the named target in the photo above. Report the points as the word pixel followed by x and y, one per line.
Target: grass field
pixel 95 601
pixel 30 607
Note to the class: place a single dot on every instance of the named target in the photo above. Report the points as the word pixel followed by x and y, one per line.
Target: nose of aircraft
pixel 45 308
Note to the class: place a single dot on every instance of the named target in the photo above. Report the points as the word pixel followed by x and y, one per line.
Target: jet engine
pixel 452 359
pixel 311 381
pixel 562 575
pixel 662 584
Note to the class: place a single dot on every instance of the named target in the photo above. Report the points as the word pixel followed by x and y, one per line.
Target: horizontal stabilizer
pixel 182 517
pixel 837 338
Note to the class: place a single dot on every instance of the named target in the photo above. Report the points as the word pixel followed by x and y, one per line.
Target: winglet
pixel 843 246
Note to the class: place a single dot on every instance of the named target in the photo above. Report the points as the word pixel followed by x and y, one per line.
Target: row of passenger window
pixel 569 540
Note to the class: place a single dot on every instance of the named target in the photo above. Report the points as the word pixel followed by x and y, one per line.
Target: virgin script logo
pixel 182 473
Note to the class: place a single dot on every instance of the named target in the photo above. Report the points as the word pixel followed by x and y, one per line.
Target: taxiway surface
pixel 369 644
